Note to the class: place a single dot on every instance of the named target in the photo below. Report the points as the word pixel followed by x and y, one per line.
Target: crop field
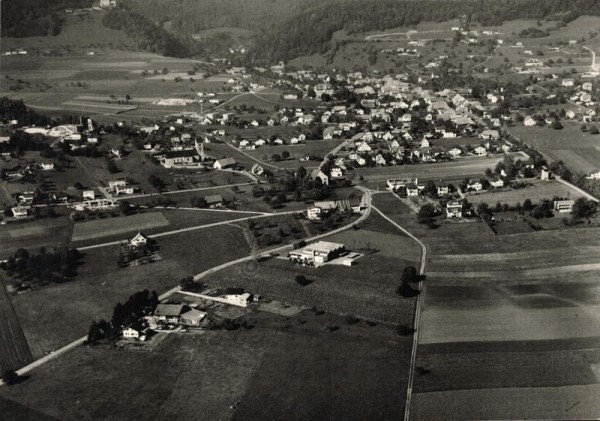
pixel 580 151
pixel 515 316
pixel 115 226
pixel 250 365
pixel 536 192
pixel 569 402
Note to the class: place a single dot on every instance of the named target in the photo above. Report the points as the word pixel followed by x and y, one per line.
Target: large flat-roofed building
pixel 563 205
pixel 317 253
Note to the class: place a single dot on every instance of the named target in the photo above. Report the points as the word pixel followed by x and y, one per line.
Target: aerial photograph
pixel 299 210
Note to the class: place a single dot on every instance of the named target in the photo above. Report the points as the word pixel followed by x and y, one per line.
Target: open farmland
pixel 580 151
pixel 14 350
pixel 248 364
pixel 543 287
pixel 114 226
pixel 68 309
pixel 456 170
pixel 536 192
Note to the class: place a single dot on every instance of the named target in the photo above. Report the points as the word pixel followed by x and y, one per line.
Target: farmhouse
pixel 131 333
pixel 214 200
pixel 454 209
pixel 193 317
pixel 317 253
pixel 168 313
pixel 20 211
pixel 138 240
pixel 563 205
pixel 221 164
pixel 257 169
pixel 594 175
pixel 489 134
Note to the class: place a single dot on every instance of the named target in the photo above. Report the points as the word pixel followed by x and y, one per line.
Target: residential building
pixel 563 205
pixel 454 209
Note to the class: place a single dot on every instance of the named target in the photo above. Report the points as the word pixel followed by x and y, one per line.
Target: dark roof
pixel 168 310
pixel 180 154
pixel 213 198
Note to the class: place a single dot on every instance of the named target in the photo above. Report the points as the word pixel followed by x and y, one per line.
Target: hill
pixel 26 18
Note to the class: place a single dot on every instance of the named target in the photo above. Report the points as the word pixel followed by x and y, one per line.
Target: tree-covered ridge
pixel 310 32
pixel 11 109
pixel 148 35
pixel 28 18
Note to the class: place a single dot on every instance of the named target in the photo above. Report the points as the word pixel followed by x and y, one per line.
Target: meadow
pixel 580 151
pixel 536 192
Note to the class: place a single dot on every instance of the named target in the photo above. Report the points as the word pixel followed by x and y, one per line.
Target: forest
pixel 29 18
pixel 148 35
pixel 310 32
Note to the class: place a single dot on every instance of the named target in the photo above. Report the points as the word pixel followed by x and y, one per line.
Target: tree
pixel 426 215
pixel 583 208
pixel 527 205
pixel 285 154
pixel 410 274
pixel 302 280
pixel 10 377
pixel 594 130
pixel 557 125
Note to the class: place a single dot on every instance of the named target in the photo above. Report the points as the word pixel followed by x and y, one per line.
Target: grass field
pixel 114 226
pixel 68 309
pixel 536 192
pixel 366 290
pixel 580 151
pixel 456 170
pixel 14 350
pixel 358 362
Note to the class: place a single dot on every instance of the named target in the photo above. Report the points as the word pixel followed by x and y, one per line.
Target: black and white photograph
pixel 299 210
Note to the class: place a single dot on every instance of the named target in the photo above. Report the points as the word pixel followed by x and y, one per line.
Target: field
pixel 580 151
pixel 47 232
pixel 14 350
pixel 115 226
pixel 506 317
pixel 68 309
pixel 366 290
pixel 311 148
pixel 455 170
pixel 334 372
pixel 536 192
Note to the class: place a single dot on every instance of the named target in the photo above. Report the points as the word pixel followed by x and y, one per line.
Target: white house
pixel 480 151
pixel 529 121
pixel 337 173
pixel 364 147
pixel 475 185
pixel 131 333
pixel 138 240
pixel 47 166
pixel 594 175
pixel 455 152
pixel 497 183
pixel 313 213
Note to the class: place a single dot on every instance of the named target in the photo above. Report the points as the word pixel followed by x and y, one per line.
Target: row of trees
pixel 57 265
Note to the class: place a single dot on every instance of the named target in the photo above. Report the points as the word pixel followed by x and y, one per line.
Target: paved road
pixel 417 319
